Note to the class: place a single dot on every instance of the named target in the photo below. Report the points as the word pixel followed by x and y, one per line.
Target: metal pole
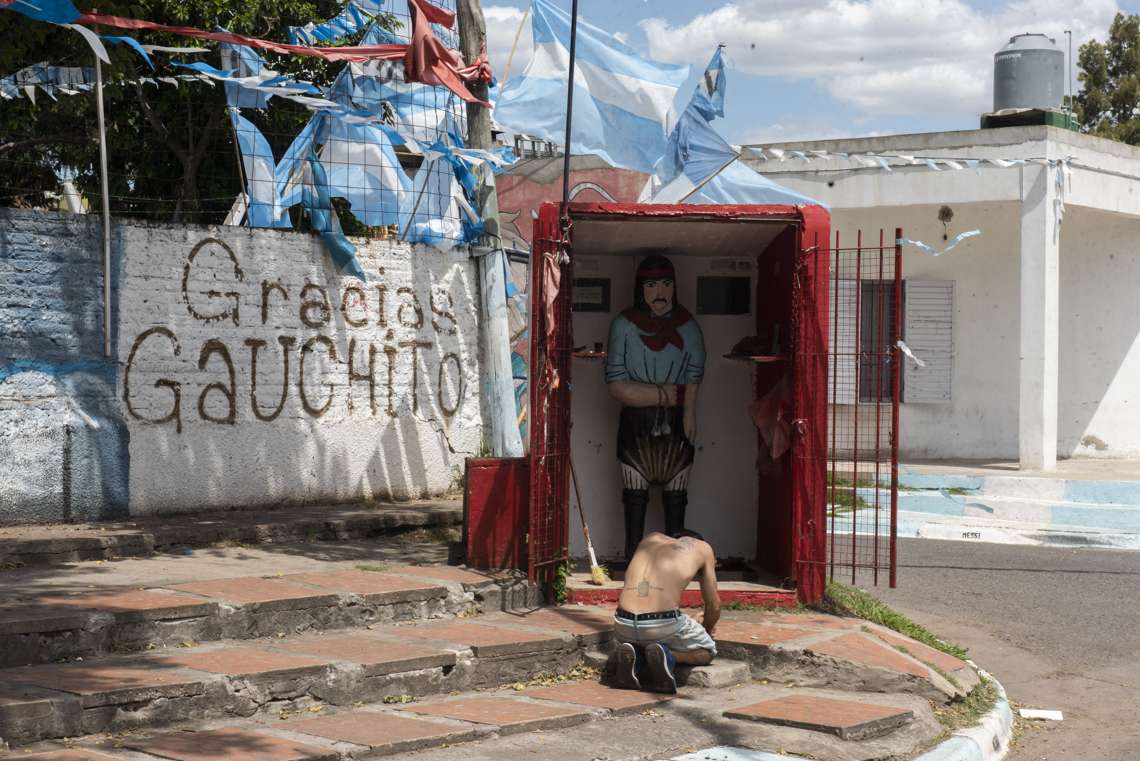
pixel 896 384
pixel 106 209
pixel 706 180
pixel 419 197
pixel 241 170
pixel 569 110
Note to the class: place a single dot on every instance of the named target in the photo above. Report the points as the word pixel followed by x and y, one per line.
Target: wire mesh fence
pixel 863 395
pixel 177 154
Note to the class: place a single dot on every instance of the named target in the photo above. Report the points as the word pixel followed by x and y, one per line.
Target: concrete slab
pixel 378 656
pixel 486 641
pixel 231 744
pixel 922 652
pixel 97 678
pixel 451 573
pixel 595 695
pixel 239 661
pixel 354 581
pixel 69 754
pixel 508 714
pixel 589 624
pixel 382 731
pixel 759 634
pixel 861 649
pixel 719 674
pixel 256 589
pixel 848 719
pixel 71 542
pixel 26 619
pixel 149 604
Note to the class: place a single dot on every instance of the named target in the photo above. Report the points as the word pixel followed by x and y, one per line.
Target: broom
pixel 597 575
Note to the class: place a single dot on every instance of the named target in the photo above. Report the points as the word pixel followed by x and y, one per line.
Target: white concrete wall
pixel 1099 386
pixel 981 420
pixel 399 427
pixel 723 486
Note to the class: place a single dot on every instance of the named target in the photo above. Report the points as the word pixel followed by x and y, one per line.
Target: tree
pixel 1108 104
pixel 171 150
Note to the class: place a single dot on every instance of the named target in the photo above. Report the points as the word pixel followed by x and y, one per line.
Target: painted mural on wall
pixel 527 186
pixel 533 182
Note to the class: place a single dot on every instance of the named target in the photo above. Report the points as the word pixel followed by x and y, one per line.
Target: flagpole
pixel 105 186
pixel 705 181
pixel 569 111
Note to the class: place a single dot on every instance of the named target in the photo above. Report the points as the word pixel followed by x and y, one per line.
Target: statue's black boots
pixel 635 502
pixel 674 503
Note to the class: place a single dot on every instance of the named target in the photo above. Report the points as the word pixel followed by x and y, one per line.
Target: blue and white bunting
pixel 264 206
pixel 317 203
pixel 132 43
pixel 945 249
pixel 54 11
pixel 355 15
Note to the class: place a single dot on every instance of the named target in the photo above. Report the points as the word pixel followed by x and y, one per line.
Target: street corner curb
pixel 986 741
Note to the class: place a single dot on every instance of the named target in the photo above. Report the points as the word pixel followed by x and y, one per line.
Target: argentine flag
pixel 699 166
pixel 621 100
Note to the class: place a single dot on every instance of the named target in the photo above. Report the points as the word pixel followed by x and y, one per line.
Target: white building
pixel 1037 316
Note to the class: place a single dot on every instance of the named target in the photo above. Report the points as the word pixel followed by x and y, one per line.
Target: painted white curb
pixel 986 741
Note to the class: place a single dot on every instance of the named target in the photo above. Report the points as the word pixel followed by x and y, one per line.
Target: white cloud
pixel 502 25
pixel 882 56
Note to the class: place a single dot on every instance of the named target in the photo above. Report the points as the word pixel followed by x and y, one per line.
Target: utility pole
pixel 472 41
pixel 497 385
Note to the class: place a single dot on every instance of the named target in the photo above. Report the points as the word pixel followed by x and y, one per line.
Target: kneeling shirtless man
pixel 653 634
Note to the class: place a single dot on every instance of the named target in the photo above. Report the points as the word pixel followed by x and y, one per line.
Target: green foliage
pixel 841 493
pixel 843 600
pixel 561 581
pixel 170 150
pixel 968 711
pixel 1109 102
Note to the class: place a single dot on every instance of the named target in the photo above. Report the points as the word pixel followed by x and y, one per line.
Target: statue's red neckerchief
pixel 658 332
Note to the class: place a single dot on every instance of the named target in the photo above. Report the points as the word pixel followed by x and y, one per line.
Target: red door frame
pixel 552 340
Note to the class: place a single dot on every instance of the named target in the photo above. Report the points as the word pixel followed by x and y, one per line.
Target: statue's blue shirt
pixel 628 357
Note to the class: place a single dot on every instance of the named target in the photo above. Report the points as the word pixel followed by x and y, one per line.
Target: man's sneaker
pixel 659 664
pixel 625 667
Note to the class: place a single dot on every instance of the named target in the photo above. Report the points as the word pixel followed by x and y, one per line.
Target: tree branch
pixel 17 144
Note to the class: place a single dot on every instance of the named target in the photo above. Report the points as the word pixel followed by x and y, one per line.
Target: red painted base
pixel 690 598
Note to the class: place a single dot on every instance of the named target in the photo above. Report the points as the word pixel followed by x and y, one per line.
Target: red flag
pixel 429 61
pixel 426 59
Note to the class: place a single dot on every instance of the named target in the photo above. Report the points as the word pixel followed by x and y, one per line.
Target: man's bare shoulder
pixel 691 544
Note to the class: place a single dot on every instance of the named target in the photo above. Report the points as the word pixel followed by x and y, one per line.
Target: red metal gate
pixel 865 316
pixel 550 346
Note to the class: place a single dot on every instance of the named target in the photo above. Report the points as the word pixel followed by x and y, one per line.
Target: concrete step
pixel 287 675
pixel 399 688
pixel 543 720
pixel 49 627
pixel 24 546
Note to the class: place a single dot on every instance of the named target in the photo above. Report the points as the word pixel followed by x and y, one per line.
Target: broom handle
pixel 581 513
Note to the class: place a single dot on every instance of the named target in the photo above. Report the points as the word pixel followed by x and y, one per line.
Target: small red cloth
pixel 429 61
pixel 772 414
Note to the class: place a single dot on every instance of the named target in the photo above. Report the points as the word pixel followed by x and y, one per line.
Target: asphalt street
pixel 1058 627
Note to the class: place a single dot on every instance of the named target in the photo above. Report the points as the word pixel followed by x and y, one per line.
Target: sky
pixel 818 69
